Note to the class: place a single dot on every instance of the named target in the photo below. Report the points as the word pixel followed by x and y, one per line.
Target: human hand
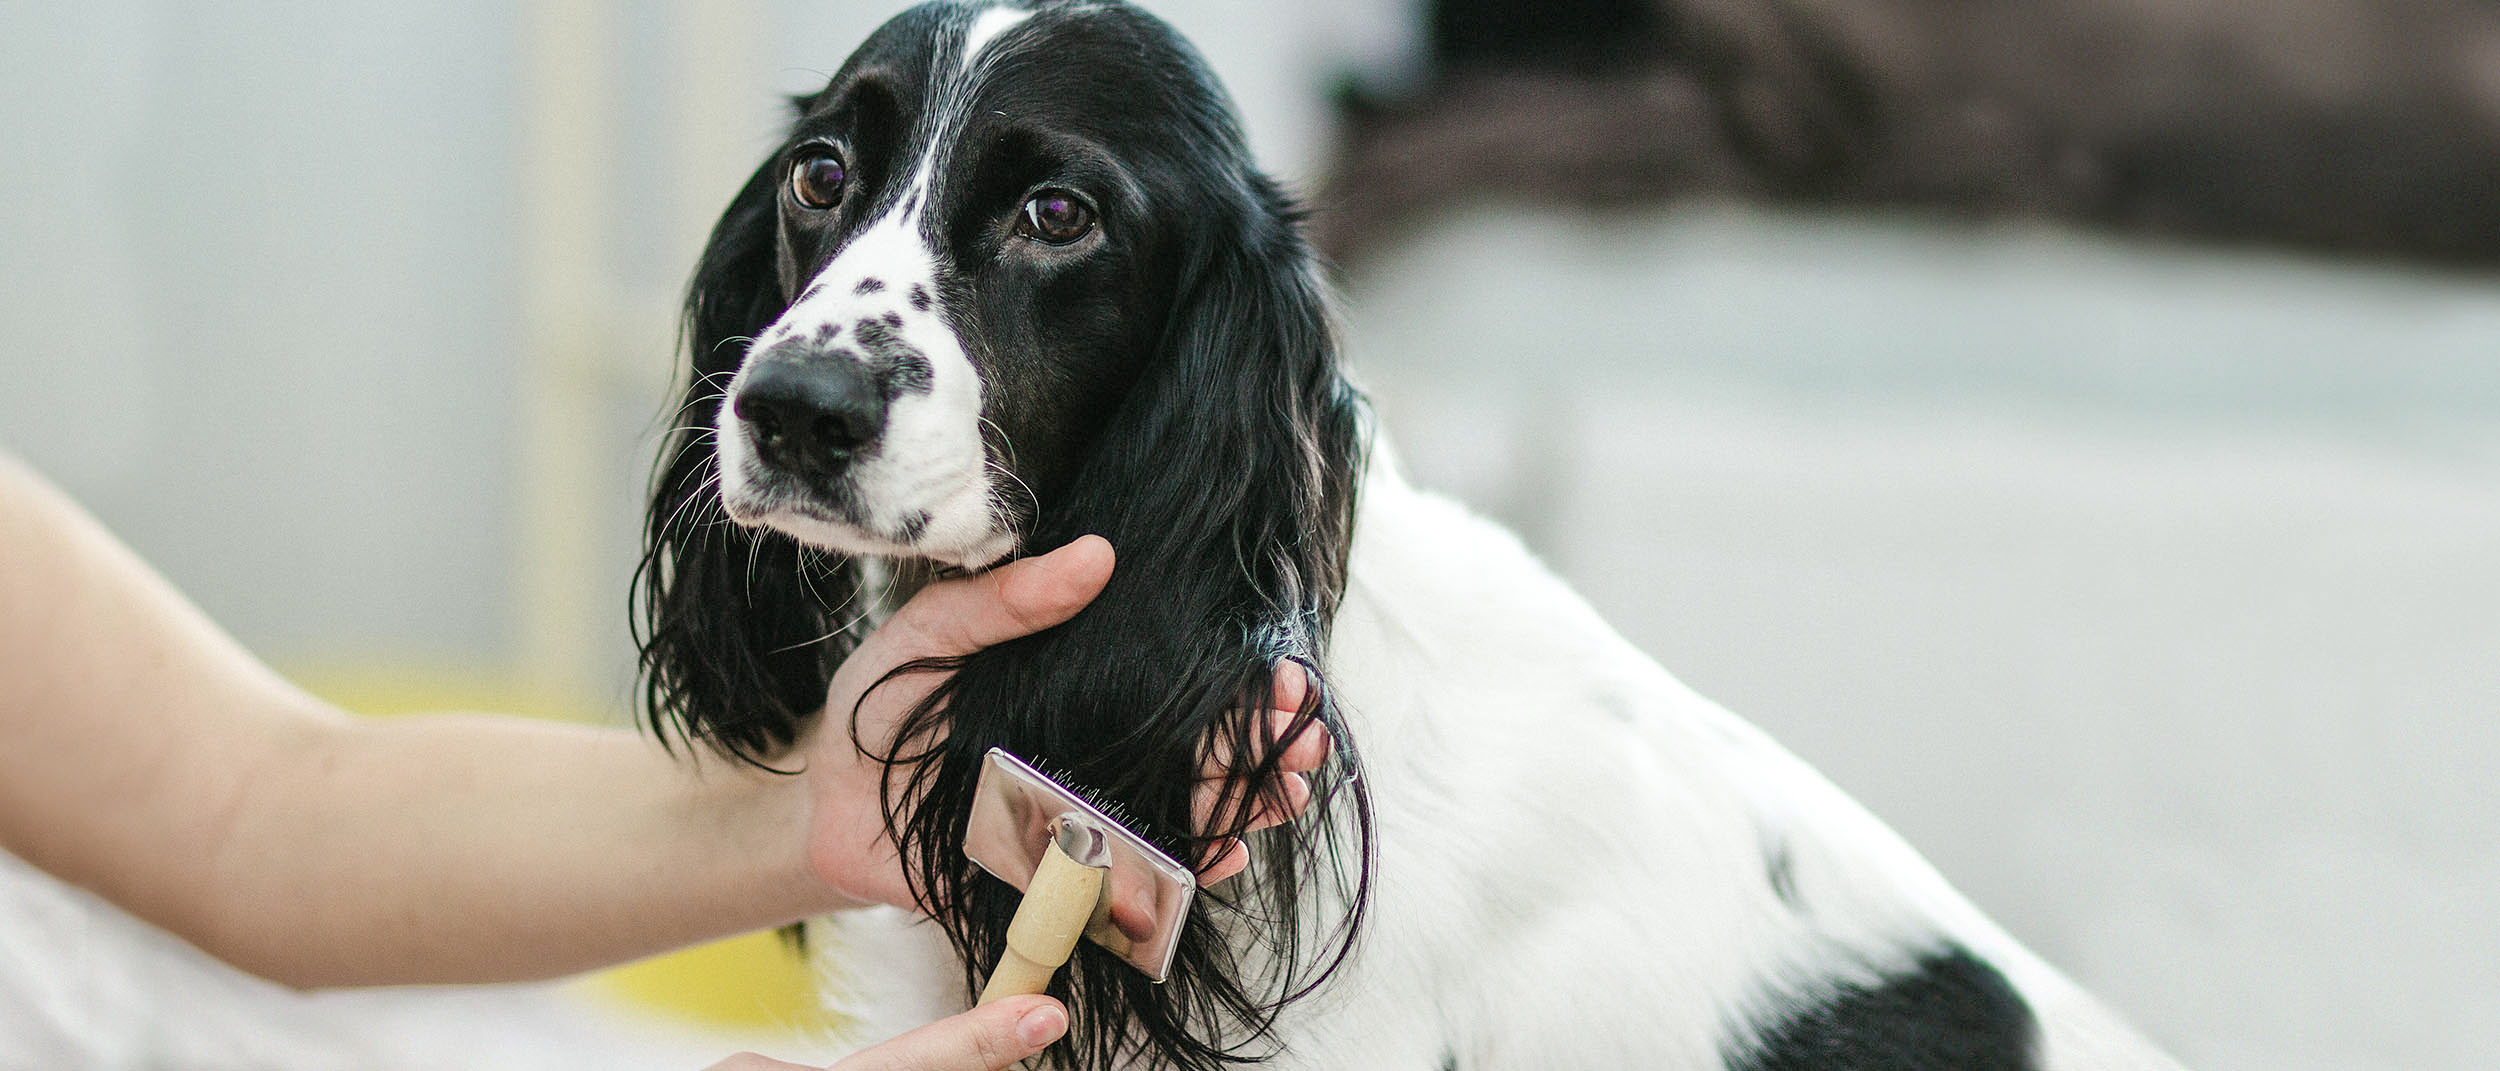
pixel 991 1037
pixel 1214 801
pixel 847 842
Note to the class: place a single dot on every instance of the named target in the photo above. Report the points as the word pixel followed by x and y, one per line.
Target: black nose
pixel 810 416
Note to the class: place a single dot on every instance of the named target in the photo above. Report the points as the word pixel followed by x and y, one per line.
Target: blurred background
pixel 2072 424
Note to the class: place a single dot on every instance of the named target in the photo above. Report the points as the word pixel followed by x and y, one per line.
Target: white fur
pixel 986 29
pixel 1572 843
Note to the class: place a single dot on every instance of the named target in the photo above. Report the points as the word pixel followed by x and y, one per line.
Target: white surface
pixel 85 987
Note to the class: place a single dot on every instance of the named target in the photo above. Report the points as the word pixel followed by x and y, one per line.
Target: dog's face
pixel 975 222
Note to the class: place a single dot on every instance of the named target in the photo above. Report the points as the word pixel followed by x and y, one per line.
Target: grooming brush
pixel 1082 872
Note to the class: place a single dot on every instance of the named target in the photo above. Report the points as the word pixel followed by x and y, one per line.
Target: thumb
pixel 991 1037
pixel 1022 597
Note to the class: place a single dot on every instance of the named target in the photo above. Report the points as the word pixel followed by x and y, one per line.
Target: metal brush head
pixel 1017 810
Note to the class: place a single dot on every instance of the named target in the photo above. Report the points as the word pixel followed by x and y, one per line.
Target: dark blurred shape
pixel 1574 35
pixel 2355 126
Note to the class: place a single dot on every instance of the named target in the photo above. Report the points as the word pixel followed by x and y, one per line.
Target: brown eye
pixel 816 180
pixel 1056 217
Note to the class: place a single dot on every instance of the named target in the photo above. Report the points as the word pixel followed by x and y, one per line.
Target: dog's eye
pixel 816 180
pixel 1056 217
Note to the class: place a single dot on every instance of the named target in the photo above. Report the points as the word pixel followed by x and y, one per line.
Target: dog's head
pixel 1012 278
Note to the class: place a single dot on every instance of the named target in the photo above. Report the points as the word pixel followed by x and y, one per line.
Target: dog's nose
pixel 811 416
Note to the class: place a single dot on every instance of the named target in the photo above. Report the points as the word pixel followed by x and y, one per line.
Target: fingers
pixel 988 1038
pixel 1234 859
pixel 1304 748
pixel 1291 684
pixel 1210 801
pixel 1022 597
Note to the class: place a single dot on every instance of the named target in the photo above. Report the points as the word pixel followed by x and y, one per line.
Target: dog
pixel 1013 278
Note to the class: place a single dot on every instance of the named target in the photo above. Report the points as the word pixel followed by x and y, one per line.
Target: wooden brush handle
pixel 1057 905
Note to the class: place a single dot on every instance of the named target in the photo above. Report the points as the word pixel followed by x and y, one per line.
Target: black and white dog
pixel 1012 279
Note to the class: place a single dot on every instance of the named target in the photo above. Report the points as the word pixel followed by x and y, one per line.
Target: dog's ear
pixel 733 622
pixel 1226 482
pixel 1227 478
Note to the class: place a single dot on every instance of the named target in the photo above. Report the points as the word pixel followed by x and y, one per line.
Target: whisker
pixel 704 492
pixel 1006 469
pixel 713 397
pixel 755 552
pixel 844 627
pixel 810 560
pixel 1004 443
pixel 1011 476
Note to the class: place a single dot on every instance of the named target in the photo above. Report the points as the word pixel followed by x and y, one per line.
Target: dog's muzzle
pixel 810 415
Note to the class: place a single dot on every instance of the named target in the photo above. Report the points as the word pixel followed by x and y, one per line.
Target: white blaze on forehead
pixel 986 29
pixel 875 273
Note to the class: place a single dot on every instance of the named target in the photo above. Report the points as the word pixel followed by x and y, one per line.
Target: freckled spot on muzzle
pixel 901 365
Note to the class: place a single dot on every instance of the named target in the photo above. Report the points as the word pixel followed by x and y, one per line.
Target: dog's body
pixel 1583 864
pixel 1012 280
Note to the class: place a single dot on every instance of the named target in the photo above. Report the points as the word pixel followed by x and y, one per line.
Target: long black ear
pixel 738 627
pixel 1226 483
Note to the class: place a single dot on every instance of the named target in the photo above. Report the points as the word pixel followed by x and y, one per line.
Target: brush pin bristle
pixel 1110 808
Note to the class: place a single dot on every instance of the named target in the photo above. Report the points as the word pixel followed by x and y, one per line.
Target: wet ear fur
pixel 737 626
pixel 1226 483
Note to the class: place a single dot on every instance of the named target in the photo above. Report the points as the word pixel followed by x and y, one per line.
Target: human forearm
pixel 476 848
pixel 129 719
pixel 146 756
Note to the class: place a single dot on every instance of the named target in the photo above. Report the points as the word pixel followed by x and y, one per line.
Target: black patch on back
pixel 869 285
pixel 920 297
pixel 1950 1011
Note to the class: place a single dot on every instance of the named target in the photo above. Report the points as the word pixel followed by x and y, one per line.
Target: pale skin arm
pixel 155 762
pixel 151 759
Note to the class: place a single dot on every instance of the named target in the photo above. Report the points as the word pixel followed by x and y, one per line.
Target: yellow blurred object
pixel 747 984
pixel 753 982
pixel 423 689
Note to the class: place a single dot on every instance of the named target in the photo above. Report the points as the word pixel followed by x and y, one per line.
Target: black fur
pixel 1950 1011
pixel 732 621
pixel 1174 388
